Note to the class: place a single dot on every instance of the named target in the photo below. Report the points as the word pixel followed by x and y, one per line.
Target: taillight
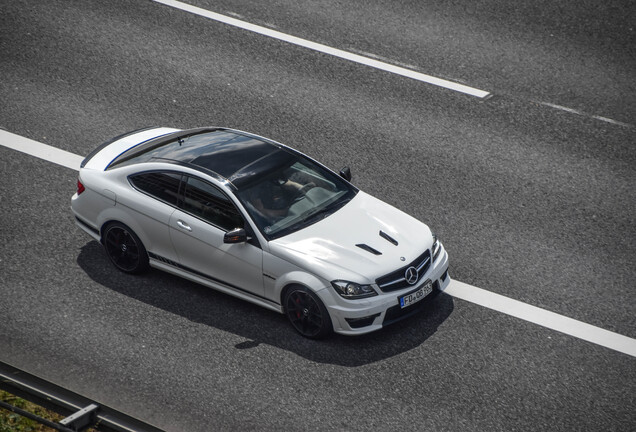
pixel 80 187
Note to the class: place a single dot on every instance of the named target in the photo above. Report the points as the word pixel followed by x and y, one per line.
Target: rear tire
pixel 124 248
pixel 307 314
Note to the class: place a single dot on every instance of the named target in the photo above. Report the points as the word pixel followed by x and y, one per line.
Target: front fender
pixel 279 273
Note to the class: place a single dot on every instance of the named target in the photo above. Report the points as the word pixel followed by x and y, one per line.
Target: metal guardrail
pixel 81 412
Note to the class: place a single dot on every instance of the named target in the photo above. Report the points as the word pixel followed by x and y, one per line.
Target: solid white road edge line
pixel 40 150
pixel 542 317
pixel 326 49
pixel 456 289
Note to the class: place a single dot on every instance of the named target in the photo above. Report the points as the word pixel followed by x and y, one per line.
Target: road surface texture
pixel 532 191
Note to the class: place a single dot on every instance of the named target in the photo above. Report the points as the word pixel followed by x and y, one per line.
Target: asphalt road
pixel 532 192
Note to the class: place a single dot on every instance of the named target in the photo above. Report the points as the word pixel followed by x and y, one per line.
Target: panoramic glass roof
pixel 224 152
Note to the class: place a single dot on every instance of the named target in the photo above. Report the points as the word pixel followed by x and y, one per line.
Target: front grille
pixel 396 280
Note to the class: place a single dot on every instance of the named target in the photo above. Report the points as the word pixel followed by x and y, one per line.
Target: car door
pixel 197 231
pixel 154 201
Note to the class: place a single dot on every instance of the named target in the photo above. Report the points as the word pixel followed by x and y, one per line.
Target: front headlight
pixel 436 249
pixel 352 290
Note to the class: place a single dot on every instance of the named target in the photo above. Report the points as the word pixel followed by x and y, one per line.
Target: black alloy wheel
pixel 124 248
pixel 307 313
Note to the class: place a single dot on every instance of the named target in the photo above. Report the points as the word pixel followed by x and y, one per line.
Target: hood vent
pixel 387 237
pixel 369 249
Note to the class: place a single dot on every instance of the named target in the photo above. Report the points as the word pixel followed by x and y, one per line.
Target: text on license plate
pixel 415 296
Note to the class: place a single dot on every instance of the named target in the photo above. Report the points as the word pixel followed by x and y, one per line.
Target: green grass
pixel 12 422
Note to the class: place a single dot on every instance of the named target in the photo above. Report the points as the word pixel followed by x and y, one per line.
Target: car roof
pixel 233 155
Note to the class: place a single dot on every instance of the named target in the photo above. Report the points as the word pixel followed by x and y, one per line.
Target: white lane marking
pixel 609 120
pixel 40 150
pixel 542 317
pixel 326 49
pixel 367 59
pixel 562 108
pixel 583 114
pixel 456 289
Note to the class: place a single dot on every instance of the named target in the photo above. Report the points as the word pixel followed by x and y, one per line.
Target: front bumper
pixel 367 315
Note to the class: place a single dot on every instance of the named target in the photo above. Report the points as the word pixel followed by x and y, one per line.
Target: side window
pixel 164 186
pixel 207 202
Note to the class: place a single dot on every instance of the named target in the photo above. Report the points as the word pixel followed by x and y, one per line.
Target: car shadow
pixel 258 325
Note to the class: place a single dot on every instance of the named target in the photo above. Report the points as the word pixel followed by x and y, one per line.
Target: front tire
pixel 124 249
pixel 307 313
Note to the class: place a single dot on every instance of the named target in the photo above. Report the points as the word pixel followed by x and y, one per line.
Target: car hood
pixel 362 241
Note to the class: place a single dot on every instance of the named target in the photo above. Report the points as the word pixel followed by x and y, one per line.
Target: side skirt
pixel 205 281
pixel 93 232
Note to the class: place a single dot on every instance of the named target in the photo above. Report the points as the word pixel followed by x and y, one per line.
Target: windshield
pixel 293 195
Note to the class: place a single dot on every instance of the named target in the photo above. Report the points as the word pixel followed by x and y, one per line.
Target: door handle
pixel 184 225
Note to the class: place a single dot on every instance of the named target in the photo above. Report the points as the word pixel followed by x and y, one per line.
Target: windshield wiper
pixel 313 218
pixel 323 213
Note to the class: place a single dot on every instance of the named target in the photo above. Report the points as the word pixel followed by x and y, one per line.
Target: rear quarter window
pixel 161 185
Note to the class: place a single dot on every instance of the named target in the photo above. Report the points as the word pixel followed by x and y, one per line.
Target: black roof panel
pixel 226 152
pixel 222 151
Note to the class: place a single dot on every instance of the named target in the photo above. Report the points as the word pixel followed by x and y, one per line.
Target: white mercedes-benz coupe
pixel 261 221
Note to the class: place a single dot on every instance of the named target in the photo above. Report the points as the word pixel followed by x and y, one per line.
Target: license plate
pixel 417 295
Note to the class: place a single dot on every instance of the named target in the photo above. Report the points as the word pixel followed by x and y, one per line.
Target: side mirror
pixel 345 173
pixel 237 235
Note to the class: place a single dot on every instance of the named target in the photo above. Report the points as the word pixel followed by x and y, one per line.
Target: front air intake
pixel 388 238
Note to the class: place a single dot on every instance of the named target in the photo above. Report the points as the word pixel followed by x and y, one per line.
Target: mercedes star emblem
pixel 411 275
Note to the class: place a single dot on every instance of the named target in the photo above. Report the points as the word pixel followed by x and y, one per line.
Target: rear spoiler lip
pixel 112 140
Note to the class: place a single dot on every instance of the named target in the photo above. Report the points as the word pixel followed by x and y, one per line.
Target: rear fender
pixel 115 214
